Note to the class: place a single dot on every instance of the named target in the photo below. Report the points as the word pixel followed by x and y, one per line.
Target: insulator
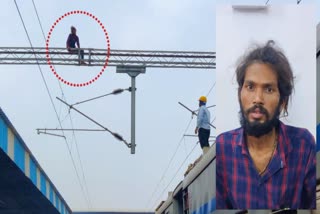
pixel 118 91
pixel 119 137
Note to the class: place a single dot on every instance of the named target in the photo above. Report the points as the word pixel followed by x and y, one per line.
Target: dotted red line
pixel 48 41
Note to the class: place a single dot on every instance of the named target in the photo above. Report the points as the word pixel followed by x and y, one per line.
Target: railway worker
pixel 72 41
pixel 265 164
pixel 203 125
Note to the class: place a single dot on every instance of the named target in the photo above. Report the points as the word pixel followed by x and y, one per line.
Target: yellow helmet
pixel 203 99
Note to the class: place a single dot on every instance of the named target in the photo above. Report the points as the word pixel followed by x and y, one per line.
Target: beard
pixel 256 128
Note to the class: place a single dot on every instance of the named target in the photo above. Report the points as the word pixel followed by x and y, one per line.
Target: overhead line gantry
pixel 97 57
pixel 132 62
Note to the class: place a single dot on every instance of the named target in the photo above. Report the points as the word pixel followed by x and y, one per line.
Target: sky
pixel 112 178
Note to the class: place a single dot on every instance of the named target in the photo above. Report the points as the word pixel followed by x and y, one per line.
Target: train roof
pixel 164 205
pixel 177 190
pixel 200 166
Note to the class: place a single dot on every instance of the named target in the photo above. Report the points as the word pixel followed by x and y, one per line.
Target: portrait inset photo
pixel 266 107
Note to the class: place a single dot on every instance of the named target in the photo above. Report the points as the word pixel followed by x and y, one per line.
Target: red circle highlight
pixel 48 41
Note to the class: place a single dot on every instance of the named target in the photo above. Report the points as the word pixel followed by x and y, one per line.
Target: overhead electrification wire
pixel 168 166
pixel 176 173
pixel 211 88
pixel 211 105
pixel 176 151
pixel 213 120
pixel 116 135
pixel 51 100
pixel 70 118
pixel 193 113
pixel 44 37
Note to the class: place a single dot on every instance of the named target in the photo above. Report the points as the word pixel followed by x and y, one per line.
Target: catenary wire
pixel 168 166
pixel 211 88
pixel 176 173
pixel 175 154
pixel 70 118
pixel 47 88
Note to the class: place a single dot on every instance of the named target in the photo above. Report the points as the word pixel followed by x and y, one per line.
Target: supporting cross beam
pixel 97 57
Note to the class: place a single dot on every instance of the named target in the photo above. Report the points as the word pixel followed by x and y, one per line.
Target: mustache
pixel 261 109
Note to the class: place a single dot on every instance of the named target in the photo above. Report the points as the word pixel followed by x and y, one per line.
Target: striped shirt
pixel 289 180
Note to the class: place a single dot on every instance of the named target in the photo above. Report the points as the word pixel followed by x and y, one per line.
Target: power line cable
pixel 171 159
pixel 65 117
pixel 213 119
pixel 177 150
pixel 80 160
pixel 193 113
pixel 211 88
pixel 47 88
pixel 212 105
pixel 44 37
pixel 116 135
pixel 71 121
pixel 175 174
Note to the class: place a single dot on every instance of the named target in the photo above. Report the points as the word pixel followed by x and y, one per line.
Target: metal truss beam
pixel 97 57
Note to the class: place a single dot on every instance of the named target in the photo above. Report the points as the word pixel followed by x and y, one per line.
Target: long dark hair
pixel 274 57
